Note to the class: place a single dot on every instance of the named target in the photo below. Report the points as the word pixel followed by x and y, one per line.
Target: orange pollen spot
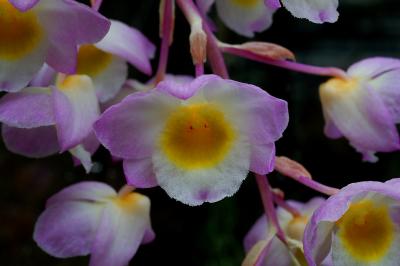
pixel 335 89
pixel 91 60
pixel 132 201
pixel 20 32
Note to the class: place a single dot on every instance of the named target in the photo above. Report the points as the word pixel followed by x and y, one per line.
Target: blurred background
pixel 212 234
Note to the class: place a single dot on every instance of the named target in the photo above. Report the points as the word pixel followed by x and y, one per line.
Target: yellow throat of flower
pixel 366 231
pixel 246 3
pixel 20 32
pixel 91 60
pixel 336 88
pixel 197 136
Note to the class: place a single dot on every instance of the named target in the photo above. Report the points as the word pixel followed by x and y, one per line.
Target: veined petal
pixel 31 142
pixel 29 108
pixel 139 173
pixel 107 71
pixel 121 231
pixel 135 122
pixel 23 5
pixel 388 88
pixel 245 17
pixel 372 67
pixel 317 11
pixel 68 229
pixel 88 191
pixel 76 109
pixel 360 115
pixel 129 44
pixel 80 25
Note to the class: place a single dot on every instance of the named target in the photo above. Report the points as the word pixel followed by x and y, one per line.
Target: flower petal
pixel 245 19
pixel 128 129
pixel 80 25
pixel 262 158
pixel 372 67
pixel 194 187
pixel 120 232
pixel 110 81
pixel 44 78
pixel 129 44
pixel 361 116
pixel 387 86
pixel 29 108
pixel 88 191
pixel 23 5
pixel 31 142
pixel 76 109
pixel 68 229
pixel 139 173
pixel 317 11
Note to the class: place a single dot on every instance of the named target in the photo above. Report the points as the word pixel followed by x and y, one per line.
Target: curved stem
pixel 268 203
pixel 308 182
pixel 283 204
pixel 166 35
pixel 199 69
pixel 291 65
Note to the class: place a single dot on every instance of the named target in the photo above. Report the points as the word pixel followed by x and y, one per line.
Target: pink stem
pixel 282 203
pixel 308 182
pixel 298 67
pixel 165 41
pixel 199 69
pixel 214 54
pixel 268 203
pixel 96 4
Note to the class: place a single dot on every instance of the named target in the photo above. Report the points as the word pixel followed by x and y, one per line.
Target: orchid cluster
pixel 64 71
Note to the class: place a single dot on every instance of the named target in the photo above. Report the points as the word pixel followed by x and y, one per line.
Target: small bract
pixel 196 140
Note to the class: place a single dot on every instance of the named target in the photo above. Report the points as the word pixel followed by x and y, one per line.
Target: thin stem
pixel 167 27
pixel 283 204
pixel 96 4
pixel 294 66
pixel 214 54
pixel 268 203
pixel 308 182
pixel 199 69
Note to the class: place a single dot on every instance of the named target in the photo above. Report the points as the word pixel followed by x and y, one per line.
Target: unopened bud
pixel 198 43
pixel 290 168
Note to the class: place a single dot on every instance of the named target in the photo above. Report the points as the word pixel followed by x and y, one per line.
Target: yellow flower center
pixel 246 3
pixel 72 82
pixel 336 88
pixel 131 201
pixel 91 60
pixel 295 228
pixel 20 32
pixel 197 136
pixel 366 230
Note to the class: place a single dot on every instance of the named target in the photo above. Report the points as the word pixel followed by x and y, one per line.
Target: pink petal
pixel 139 173
pixel 31 142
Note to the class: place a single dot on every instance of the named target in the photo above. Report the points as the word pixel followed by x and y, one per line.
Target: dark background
pixel 212 234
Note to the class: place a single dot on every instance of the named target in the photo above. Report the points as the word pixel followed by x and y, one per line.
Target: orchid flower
pixel 278 253
pixel 197 141
pixel 364 107
pixel 360 225
pixel 247 17
pixel 40 121
pixel 91 218
pixel 35 32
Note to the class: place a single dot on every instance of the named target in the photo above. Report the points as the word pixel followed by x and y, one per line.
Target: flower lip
pixel 20 32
